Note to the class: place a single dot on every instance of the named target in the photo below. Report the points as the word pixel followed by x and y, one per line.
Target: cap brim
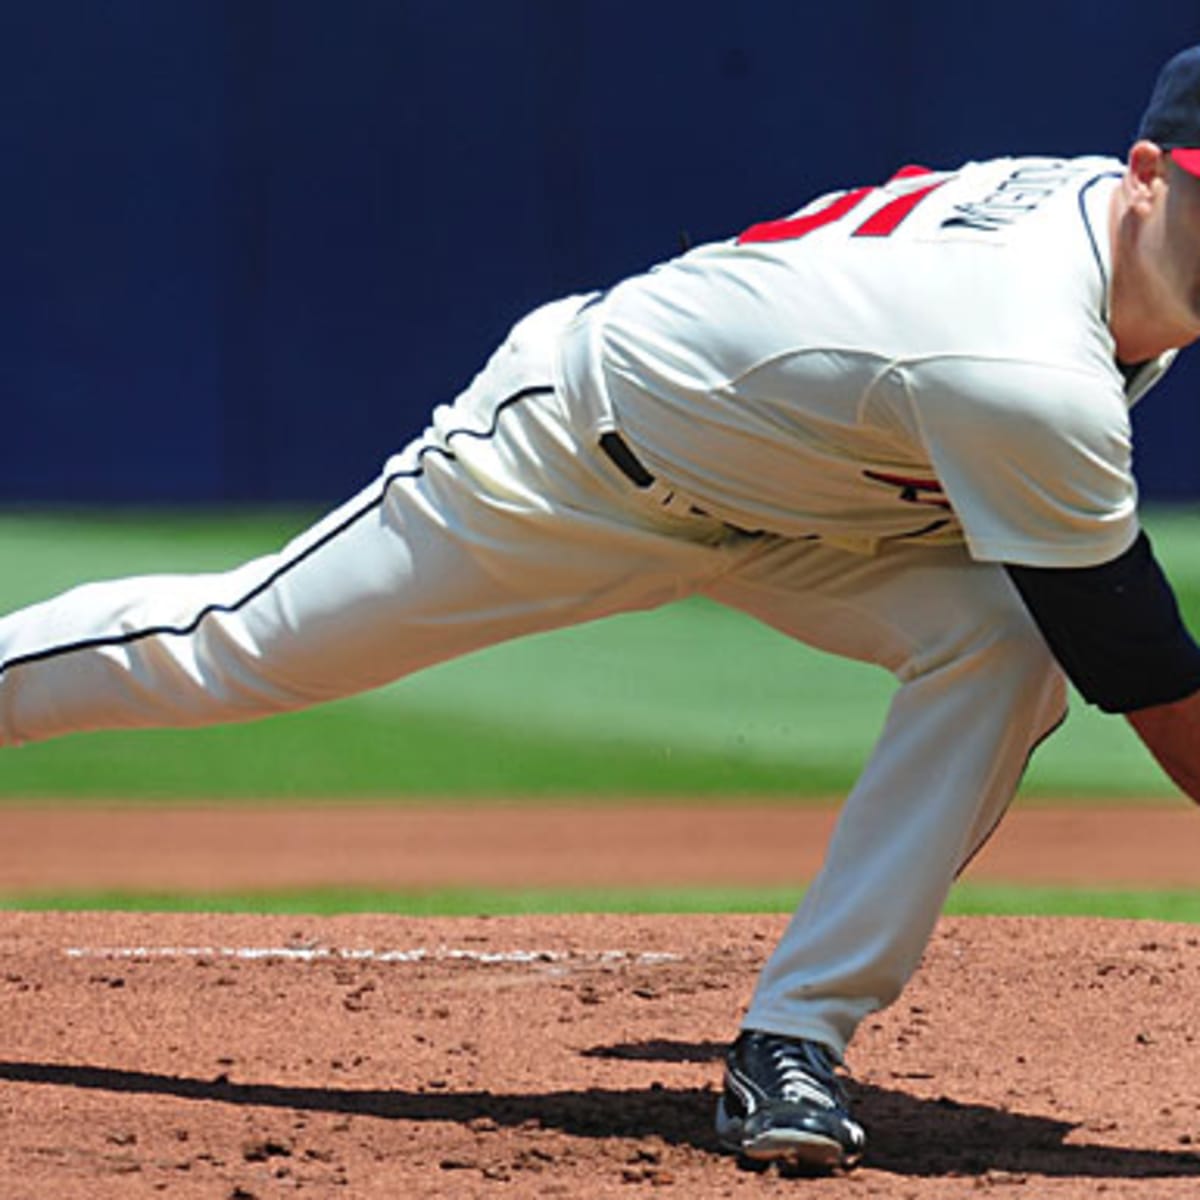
pixel 1188 159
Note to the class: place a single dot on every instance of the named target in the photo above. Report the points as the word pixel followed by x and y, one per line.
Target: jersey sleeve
pixel 1035 460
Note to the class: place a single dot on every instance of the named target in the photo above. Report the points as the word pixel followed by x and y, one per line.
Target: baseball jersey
pixel 925 359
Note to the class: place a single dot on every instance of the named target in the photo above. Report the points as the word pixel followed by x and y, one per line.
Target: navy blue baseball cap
pixel 1172 118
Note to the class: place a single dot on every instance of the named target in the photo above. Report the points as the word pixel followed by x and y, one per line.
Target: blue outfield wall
pixel 249 243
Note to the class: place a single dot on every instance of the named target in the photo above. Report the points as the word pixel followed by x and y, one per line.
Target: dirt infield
pixel 197 849
pixel 260 1057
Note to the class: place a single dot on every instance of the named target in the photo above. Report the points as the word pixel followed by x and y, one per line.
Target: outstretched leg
pixel 499 521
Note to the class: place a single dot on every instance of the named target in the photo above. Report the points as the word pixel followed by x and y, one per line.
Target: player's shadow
pixel 661 1050
pixel 908 1135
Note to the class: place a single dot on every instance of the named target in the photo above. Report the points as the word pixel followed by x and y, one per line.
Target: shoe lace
pixel 804 1073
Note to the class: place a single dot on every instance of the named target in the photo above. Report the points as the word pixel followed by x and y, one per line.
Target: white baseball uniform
pixel 840 423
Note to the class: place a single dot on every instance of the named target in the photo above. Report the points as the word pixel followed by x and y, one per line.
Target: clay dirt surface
pixel 238 1057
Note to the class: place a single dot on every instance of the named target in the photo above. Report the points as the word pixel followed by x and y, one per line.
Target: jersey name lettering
pixel 1023 191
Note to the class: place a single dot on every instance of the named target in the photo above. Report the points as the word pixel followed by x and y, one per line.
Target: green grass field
pixel 965 899
pixel 691 703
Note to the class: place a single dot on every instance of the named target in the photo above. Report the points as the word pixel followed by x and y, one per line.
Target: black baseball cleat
pixel 783 1103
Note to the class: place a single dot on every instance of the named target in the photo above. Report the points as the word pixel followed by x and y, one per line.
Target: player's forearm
pixel 1172 734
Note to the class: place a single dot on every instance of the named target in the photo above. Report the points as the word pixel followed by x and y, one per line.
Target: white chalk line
pixel 417 954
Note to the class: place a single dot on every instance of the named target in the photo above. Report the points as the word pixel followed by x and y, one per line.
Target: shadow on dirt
pixel 661 1050
pixel 920 1137
pixel 909 1136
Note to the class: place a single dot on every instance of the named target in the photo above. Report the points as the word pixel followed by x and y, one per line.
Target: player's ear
pixel 1145 174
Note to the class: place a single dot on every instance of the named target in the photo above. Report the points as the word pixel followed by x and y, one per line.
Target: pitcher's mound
pixel 236 1057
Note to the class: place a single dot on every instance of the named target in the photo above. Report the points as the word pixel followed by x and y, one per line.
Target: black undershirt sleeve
pixel 1115 629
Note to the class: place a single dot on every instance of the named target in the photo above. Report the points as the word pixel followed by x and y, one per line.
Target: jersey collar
pixel 1094 197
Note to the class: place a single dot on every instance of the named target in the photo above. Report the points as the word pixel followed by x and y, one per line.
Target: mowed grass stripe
pixel 976 900
pixel 691 700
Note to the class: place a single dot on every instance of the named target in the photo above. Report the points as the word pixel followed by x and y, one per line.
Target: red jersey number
pixel 879 224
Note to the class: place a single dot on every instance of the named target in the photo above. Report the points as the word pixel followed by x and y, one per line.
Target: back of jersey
pixel 791 340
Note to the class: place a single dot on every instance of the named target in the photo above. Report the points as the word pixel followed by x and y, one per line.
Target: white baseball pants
pixel 504 519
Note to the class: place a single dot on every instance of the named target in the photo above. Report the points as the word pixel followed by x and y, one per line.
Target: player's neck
pixel 1136 339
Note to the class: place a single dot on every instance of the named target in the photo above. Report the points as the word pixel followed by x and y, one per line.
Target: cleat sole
pixel 794 1151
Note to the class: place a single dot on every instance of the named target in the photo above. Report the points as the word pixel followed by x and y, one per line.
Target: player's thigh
pixel 908 608
pixel 427 571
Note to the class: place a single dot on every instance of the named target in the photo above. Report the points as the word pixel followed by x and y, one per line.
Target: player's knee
pixel 1020 664
pixel 994 632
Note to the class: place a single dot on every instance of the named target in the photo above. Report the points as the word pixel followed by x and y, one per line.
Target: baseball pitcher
pixel 893 425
